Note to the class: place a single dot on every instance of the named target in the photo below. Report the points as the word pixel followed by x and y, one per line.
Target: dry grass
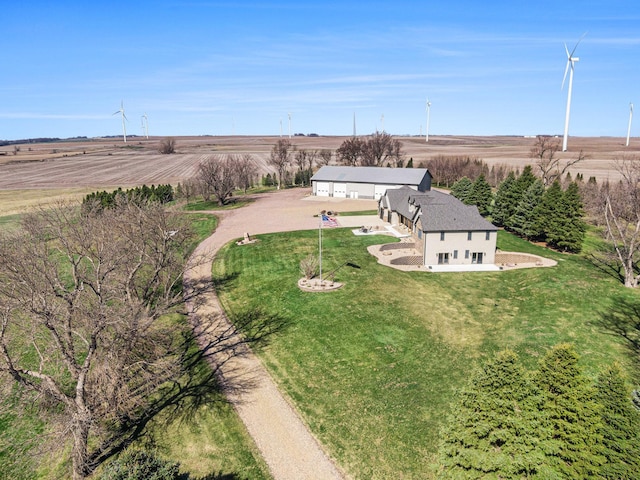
pixel 20 201
pixel 48 170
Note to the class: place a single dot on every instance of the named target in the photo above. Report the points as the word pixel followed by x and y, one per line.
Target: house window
pixel 455 254
pixel 443 258
pixel 477 257
pixel 442 236
pixel 469 236
pixel 419 234
pixel 487 236
pixel 466 254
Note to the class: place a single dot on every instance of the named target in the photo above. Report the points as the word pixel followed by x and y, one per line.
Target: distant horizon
pixel 153 137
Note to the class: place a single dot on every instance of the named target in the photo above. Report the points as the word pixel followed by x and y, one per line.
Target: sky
pixel 246 67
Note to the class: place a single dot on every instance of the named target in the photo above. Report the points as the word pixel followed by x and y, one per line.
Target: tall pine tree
pixel 548 213
pixel 524 221
pixel 461 189
pixel 620 426
pixel 574 438
pixel 495 431
pixel 570 228
pixel 480 195
pixel 505 201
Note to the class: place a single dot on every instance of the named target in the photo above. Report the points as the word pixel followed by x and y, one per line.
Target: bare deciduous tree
pixel 551 167
pixel 218 177
pixel 350 151
pixel 167 146
pixel 84 299
pixel 92 325
pixel 621 212
pixel 189 188
pixel 324 156
pixel 280 158
pixel 246 171
pixel 381 149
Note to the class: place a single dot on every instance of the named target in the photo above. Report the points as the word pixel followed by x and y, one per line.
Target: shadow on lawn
pixel 623 321
pixel 203 355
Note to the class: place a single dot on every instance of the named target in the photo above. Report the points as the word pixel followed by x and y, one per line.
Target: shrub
pixel 139 465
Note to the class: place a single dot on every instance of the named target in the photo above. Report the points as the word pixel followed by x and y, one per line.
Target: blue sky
pixel 240 67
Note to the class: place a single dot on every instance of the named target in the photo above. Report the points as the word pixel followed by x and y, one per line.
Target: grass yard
pixel 374 366
pixel 210 441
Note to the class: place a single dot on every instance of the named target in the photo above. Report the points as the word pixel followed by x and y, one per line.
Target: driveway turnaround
pixel 285 442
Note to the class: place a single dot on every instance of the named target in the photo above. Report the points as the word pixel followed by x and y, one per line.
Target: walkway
pixel 287 446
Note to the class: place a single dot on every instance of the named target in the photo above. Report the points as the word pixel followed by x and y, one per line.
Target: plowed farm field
pixel 35 172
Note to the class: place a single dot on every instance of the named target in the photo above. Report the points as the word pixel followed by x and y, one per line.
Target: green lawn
pixel 210 441
pixel 374 366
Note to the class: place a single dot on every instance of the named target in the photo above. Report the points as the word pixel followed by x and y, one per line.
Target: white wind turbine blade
pixel 574 48
pixel 566 70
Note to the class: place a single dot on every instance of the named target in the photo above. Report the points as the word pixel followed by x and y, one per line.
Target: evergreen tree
pixel 410 163
pixel 505 202
pixel 495 430
pixel 524 220
pixel 620 426
pixel 523 182
pixel 573 440
pixel 520 186
pixel 569 229
pixel 461 189
pixel 548 213
pixel 480 195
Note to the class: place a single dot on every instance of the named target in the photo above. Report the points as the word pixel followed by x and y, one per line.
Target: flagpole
pixel 320 245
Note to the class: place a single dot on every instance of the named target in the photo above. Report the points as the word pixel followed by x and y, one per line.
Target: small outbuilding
pixel 367 182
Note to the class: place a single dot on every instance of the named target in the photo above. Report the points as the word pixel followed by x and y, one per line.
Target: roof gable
pixel 438 211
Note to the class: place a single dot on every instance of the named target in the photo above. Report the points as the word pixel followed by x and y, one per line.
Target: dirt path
pixel 287 446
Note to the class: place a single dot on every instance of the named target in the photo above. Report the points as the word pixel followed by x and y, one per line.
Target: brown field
pixel 42 172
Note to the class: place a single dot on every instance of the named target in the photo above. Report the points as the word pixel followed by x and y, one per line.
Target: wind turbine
pixel 571 60
pixel 145 125
pixel 289 124
pixel 124 117
pixel 382 122
pixel 354 124
pixel 630 118
pixel 428 115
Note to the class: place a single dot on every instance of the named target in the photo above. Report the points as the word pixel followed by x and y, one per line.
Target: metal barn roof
pixel 377 175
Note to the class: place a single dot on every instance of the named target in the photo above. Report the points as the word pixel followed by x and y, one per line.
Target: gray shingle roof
pixel 440 211
pixel 379 175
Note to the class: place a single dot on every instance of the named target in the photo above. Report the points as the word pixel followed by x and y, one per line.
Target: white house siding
pixel 458 241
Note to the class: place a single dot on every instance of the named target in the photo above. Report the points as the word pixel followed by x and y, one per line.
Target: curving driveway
pixel 287 446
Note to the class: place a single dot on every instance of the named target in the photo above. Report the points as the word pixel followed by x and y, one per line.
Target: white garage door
pixel 340 190
pixel 322 189
pixel 378 191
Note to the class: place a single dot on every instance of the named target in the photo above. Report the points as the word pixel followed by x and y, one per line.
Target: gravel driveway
pixel 287 446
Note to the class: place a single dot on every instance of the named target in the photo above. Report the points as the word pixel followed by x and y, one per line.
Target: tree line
pixel 552 422
pixel 143 194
